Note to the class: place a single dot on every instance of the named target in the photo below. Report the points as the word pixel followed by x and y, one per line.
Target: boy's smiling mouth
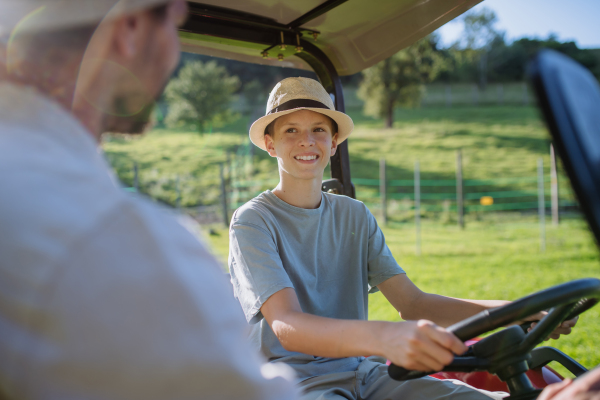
pixel 306 157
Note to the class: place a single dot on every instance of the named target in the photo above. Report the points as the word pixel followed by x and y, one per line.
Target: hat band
pixel 298 103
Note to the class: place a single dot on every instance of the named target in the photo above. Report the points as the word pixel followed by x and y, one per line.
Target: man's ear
pixel 270 145
pixel 126 30
pixel 334 144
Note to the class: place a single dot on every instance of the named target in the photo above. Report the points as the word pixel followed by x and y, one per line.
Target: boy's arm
pixel 418 345
pixel 412 304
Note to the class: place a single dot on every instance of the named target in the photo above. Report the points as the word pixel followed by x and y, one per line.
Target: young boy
pixel 303 262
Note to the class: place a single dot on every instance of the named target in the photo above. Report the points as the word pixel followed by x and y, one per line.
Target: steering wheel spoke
pixel 546 326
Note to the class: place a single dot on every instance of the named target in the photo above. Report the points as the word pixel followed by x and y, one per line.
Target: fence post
pixel 525 95
pixel 178 191
pixel 224 196
pixel 229 166
pixel 250 163
pixel 475 94
pixel 234 176
pixel 136 182
pixel 383 191
pixel 448 96
pixel 459 190
pixel 554 187
pixel 500 92
pixel 541 205
pixel 418 207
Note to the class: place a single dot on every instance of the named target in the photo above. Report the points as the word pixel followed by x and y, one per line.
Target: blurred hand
pixel 420 345
pixel 586 387
pixel 563 329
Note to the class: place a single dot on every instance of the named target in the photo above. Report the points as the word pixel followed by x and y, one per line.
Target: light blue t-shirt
pixel 332 256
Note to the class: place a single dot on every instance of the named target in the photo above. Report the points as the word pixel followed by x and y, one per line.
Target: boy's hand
pixel 563 329
pixel 420 345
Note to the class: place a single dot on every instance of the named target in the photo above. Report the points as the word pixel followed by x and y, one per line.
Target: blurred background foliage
pixel 200 96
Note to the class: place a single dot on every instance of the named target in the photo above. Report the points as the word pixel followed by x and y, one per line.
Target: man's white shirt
pixel 103 295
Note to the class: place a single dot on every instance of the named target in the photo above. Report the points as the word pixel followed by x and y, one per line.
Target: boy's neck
pixel 301 193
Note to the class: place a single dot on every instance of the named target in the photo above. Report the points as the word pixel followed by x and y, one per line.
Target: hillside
pixel 496 142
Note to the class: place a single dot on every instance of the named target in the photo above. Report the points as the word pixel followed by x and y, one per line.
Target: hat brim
pixel 36 16
pixel 344 122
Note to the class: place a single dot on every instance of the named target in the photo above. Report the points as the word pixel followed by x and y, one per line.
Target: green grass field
pixel 497 256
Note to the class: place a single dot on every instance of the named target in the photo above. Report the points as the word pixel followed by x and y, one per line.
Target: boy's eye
pixel 319 130
pixel 291 130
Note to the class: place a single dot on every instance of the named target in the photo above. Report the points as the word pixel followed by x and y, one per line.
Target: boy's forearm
pixel 328 337
pixel 446 311
pixel 414 304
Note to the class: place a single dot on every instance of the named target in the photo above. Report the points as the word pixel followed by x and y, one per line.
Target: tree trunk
pixel 387 88
pixel 389 114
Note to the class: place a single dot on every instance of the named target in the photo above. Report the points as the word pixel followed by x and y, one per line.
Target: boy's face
pixel 303 142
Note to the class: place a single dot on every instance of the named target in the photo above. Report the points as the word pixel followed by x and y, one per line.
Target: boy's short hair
pixel 269 128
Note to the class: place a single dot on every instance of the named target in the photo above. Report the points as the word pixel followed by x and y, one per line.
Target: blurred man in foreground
pixel 102 295
pixel 586 387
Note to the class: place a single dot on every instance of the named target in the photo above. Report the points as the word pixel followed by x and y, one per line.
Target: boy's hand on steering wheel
pixel 563 329
pixel 420 345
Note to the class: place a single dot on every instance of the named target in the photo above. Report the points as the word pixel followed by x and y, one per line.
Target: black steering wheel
pixel 507 353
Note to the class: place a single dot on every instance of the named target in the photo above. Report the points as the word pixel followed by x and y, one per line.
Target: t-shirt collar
pixel 305 211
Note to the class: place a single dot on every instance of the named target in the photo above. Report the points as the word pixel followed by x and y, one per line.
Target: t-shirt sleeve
pixel 255 265
pixel 381 263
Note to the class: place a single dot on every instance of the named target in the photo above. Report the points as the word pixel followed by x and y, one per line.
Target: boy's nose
pixel 307 139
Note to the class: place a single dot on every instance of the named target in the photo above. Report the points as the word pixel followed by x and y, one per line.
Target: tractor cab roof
pixel 354 34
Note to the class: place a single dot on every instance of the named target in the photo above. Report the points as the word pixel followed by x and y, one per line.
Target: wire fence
pixel 478 200
pixel 398 195
pixel 402 200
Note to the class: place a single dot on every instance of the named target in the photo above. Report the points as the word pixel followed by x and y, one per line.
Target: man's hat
pixel 31 16
pixel 294 94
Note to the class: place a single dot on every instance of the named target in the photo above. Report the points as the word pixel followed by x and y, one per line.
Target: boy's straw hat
pixel 30 16
pixel 294 94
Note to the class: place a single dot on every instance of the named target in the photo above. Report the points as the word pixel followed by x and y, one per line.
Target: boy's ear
pixel 334 144
pixel 270 145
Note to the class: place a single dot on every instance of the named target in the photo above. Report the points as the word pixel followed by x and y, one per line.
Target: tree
pixel 479 36
pixel 255 96
pixel 200 95
pixel 398 80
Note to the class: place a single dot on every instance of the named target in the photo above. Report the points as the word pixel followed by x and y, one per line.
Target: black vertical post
pixel 418 208
pixel 178 191
pixel 383 191
pixel 136 182
pixel 554 187
pixel 459 190
pixel 541 205
pixel 224 197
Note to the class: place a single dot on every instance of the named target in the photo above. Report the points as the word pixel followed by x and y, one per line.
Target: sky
pixel 577 20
